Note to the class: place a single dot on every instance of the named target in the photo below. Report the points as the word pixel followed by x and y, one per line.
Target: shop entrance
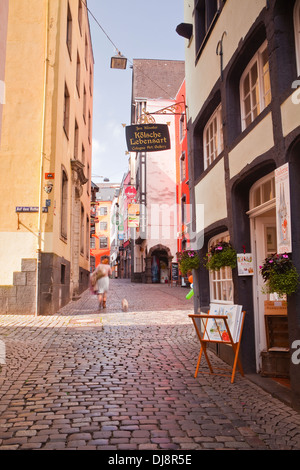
pixel 271 336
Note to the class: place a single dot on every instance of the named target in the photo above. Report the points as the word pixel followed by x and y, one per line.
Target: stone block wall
pixel 54 287
pixel 20 298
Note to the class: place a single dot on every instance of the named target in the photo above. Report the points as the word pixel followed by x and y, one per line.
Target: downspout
pixel 39 244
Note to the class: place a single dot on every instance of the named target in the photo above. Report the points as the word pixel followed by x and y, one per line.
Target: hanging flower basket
pixel 220 255
pixel 279 275
pixel 188 260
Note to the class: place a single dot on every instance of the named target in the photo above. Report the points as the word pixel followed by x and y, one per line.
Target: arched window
pixel 220 282
pixel 262 195
pixel 297 33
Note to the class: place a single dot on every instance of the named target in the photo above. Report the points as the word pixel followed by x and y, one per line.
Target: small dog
pixel 124 305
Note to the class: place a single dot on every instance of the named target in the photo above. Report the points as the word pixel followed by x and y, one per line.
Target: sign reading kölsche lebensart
pixel 148 137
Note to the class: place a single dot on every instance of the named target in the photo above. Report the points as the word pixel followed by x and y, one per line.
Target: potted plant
pixel 220 255
pixel 188 260
pixel 280 274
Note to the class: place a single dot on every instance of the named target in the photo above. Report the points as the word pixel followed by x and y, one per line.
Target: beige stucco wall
pixel 257 142
pixel 211 193
pixel 290 112
pixel 236 19
pixel 3 34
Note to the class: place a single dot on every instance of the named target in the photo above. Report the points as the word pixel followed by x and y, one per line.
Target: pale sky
pixel 139 29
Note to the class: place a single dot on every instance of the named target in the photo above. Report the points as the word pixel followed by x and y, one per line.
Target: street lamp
pixel 118 62
pixel 105 179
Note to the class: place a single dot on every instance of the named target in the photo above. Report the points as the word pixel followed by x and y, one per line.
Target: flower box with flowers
pixel 280 275
pixel 220 255
pixel 188 260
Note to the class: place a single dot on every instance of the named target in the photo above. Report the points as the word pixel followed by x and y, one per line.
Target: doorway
pixel 270 319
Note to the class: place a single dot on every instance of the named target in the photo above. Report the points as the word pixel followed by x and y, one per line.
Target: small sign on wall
pixel 245 264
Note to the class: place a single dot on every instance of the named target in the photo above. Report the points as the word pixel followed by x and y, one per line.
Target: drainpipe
pixel 39 244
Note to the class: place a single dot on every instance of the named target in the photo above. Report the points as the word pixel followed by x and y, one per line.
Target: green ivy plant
pixel 188 260
pixel 279 275
pixel 220 255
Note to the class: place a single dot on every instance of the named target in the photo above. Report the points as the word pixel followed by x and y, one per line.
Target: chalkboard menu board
pixel 174 271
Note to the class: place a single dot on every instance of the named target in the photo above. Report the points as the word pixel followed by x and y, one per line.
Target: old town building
pixel 45 157
pixel 242 75
pixel 155 84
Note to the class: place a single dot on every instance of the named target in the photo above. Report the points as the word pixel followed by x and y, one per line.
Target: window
pixel 182 167
pixel 221 284
pixel 103 210
pixel 213 137
pixel 255 87
pixel 69 31
pixel 84 103
pixel 78 74
pixel 87 236
pixel 262 194
pixel 82 230
pixel 103 225
pixel 62 273
pixel 205 14
pixel 66 110
pixel 91 80
pixel 103 242
pixel 297 33
pixel 80 15
pixel 64 205
pixel 92 242
pixel 76 138
pixel 181 127
pixel 86 52
pixel 89 127
pixel 83 155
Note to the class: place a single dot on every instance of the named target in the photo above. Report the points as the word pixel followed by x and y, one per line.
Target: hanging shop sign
pixel 133 218
pixel 130 193
pixel 283 213
pixel 148 137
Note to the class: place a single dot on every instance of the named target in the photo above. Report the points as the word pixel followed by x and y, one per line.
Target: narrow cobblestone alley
pixel 96 380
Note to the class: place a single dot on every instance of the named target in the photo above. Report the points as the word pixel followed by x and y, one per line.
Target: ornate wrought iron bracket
pixel 173 110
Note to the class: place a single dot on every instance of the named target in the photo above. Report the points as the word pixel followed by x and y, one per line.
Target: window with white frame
pixel 255 86
pixel 263 192
pixel 213 137
pixel 220 282
pixel 297 33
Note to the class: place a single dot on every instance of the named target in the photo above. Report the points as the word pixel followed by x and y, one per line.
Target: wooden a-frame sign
pixel 218 337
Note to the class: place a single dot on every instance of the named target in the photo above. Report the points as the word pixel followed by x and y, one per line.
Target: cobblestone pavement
pixel 90 379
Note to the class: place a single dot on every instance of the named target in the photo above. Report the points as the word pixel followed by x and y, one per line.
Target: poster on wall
pixel 245 264
pixel 283 215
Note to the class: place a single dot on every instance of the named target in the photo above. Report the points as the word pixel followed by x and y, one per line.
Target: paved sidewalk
pixel 90 379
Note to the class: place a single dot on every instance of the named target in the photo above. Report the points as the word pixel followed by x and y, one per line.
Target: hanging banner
pixel 283 214
pixel 148 137
pixel 133 215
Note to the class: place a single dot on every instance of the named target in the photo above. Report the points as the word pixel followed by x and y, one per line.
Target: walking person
pixel 102 284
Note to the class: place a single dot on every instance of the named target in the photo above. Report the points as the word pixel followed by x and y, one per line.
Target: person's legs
pixel 100 298
pixel 104 300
